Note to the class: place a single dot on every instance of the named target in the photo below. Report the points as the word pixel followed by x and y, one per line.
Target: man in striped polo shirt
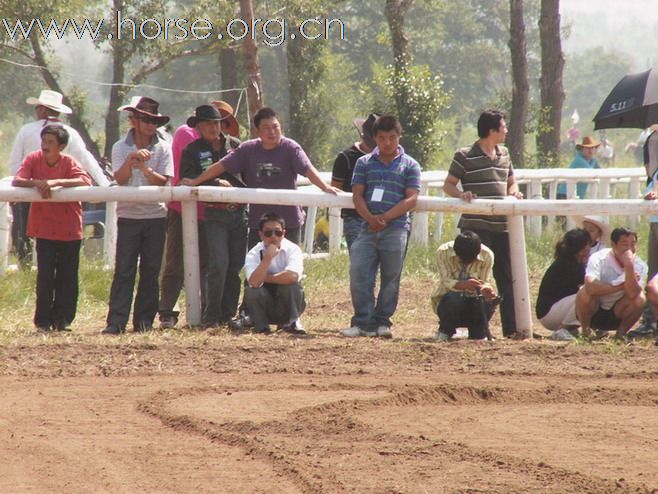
pixel 486 172
pixel 385 186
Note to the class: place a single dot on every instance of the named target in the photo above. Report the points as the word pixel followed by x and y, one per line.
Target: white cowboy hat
pixel 599 221
pixel 50 99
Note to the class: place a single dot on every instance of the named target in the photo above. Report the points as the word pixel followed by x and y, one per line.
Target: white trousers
pixel 561 315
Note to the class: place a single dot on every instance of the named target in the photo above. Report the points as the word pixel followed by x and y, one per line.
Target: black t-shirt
pixel 343 170
pixel 199 155
pixel 562 278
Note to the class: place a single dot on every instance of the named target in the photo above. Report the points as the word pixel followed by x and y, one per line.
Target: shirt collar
pixel 375 153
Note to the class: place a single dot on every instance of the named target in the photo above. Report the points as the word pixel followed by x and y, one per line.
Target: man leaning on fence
pixel 142 157
pixel 485 171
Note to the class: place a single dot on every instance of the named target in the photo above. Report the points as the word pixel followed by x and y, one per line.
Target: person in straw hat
pixel 47 107
pixel 172 268
pixel 598 229
pixel 142 157
pixel 585 158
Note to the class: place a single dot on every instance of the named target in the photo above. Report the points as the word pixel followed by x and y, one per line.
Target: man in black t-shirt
pixel 226 223
pixel 341 175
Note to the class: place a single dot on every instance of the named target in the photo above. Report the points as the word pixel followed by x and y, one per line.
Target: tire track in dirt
pixel 302 449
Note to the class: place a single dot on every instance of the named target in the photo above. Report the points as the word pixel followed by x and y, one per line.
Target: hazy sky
pixel 626 26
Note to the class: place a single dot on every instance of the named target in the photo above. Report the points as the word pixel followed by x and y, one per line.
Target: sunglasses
pixel 269 233
pixel 147 120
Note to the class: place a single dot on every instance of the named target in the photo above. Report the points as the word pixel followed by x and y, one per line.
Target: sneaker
pixel 265 330
pixel 642 331
pixel 44 329
pixel 241 322
pixel 384 331
pixel 65 327
pixel 168 322
pixel 356 331
pixel 294 327
pixel 442 337
pixel 562 335
pixel 111 329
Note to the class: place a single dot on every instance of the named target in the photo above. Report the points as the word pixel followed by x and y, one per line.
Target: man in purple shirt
pixel 271 161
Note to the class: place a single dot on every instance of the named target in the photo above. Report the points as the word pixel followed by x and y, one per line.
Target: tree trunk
pixel 254 82
pixel 552 92
pixel 228 62
pixel 76 122
pixel 395 11
pixel 520 84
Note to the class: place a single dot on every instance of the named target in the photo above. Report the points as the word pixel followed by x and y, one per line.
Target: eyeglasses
pixel 269 233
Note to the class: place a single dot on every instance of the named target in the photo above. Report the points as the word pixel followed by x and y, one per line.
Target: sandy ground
pixel 223 413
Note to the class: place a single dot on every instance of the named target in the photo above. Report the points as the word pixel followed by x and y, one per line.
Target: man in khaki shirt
pixel 465 295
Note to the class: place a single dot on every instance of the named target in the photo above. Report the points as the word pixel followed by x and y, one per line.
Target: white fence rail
pixel 515 210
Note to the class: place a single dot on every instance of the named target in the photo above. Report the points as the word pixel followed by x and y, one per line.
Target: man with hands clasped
pixel 612 297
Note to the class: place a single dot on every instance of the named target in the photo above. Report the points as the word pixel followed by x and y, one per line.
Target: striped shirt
pixel 402 173
pixel 485 177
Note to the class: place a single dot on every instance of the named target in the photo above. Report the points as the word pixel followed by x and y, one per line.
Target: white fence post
pixel 309 229
pixel 110 238
pixel 520 276
pixel 191 263
pixel 534 222
pixel 420 223
pixel 335 230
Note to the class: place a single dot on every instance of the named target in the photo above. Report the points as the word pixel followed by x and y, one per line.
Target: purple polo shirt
pixel 276 168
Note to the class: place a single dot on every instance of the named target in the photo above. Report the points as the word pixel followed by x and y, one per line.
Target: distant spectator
pixel 612 297
pixel 556 301
pixel 57 227
pixel 606 152
pixel 142 157
pixel 585 153
pixel 464 295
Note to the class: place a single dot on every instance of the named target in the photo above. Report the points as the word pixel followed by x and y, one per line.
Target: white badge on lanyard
pixel 377 194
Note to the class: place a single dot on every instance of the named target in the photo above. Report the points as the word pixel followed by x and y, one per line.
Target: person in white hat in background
pixel 48 107
pixel 598 229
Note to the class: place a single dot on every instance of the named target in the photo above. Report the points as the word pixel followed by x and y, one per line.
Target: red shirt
pixel 53 220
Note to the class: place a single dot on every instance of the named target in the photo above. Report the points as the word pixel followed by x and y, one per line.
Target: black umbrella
pixel 633 103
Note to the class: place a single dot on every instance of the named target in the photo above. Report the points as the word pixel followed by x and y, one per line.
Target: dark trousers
pixel 143 241
pixel 502 271
pixel 57 282
pixel 274 304
pixel 173 275
pixel 22 243
pixel 456 310
pixel 226 233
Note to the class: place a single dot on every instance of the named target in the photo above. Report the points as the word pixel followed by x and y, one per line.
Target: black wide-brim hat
pixel 146 106
pixel 204 113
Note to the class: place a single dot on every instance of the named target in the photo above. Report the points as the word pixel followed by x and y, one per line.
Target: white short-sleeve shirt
pixel 289 258
pixel 604 267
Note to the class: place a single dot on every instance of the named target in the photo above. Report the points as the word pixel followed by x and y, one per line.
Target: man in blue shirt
pixel 585 153
pixel 385 186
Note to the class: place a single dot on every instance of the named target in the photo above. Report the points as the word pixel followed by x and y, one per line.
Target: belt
pixel 225 206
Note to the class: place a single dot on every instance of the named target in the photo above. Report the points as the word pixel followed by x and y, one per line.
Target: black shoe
pixel 63 326
pixel 111 329
pixel 294 327
pixel 44 329
pixel 265 330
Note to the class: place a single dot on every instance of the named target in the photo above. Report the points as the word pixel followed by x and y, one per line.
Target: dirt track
pixel 244 414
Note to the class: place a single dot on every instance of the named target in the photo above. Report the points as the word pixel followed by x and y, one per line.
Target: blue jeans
pixel 137 240
pixel 351 229
pixel 226 233
pixel 370 252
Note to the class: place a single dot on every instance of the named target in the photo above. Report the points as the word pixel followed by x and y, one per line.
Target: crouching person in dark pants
pixel 464 296
pixel 273 269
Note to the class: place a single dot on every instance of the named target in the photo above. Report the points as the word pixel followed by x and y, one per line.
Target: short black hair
pixel 467 246
pixel 489 120
pixel 571 243
pixel 619 232
pixel 60 133
pixel 263 114
pixel 271 216
pixel 386 123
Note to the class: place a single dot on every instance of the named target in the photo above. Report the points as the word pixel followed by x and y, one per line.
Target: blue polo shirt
pixel 402 173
